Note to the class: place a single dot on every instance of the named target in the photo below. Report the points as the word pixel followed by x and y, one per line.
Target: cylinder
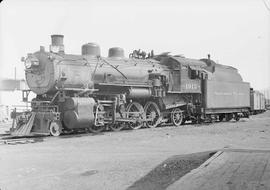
pixel 79 112
pixel 116 52
pixel 91 49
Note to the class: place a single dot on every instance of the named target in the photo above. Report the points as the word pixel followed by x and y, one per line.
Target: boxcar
pixel 257 102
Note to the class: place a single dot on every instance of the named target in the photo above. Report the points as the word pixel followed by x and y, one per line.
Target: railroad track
pixel 20 141
pixel 8 139
pixel 13 140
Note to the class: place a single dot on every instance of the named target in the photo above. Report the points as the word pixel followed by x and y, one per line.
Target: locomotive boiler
pixel 91 92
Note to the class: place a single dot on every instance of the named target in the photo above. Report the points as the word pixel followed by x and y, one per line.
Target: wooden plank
pixel 193 179
pixel 240 179
pixel 230 170
pixel 258 170
pixel 219 178
pixel 246 150
pixel 265 178
pixel 246 175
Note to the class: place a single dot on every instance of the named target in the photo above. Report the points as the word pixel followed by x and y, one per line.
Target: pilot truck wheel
pixel 117 126
pixel 96 129
pixel 55 128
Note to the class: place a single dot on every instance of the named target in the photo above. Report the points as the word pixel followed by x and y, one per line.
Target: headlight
pixel 27 63
pixel 30 61
pixel 35 63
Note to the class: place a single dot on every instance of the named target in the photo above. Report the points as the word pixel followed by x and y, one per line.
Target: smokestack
pixel 57 45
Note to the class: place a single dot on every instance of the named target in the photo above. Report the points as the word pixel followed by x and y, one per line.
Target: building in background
pixel 10 96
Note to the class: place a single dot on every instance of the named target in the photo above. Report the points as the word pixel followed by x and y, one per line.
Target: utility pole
pixel 267 5
pixel 15 73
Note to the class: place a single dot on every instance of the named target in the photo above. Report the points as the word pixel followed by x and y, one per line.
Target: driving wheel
pixel 177 117
pixel 152 114
pixel 135 112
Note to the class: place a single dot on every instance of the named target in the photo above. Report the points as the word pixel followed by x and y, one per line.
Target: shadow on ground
pixel 170 171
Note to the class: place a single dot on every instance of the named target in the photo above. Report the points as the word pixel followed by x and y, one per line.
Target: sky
pixel 234 32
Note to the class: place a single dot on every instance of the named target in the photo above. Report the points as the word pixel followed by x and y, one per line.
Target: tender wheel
pixel 177 117
pixel 228 117
pixel 152 113
pixel 221 117
pixel 193 121
pixel 236 117
pixel 96 129
pixel 183 121
pixel 55 128
pixel 117 126
pixel 135 112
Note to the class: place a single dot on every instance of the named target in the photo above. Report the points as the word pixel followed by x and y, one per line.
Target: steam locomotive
pixel 91 92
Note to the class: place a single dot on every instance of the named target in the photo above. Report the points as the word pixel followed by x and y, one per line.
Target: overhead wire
pixel 266 5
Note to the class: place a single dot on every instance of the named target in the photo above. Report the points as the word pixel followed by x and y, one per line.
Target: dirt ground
pixel 140 159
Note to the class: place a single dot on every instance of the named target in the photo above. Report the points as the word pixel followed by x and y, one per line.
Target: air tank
pixel 78 112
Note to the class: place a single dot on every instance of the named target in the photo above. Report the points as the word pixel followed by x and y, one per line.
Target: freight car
pixel 91 92
pixel 257 102
pixel 267 104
